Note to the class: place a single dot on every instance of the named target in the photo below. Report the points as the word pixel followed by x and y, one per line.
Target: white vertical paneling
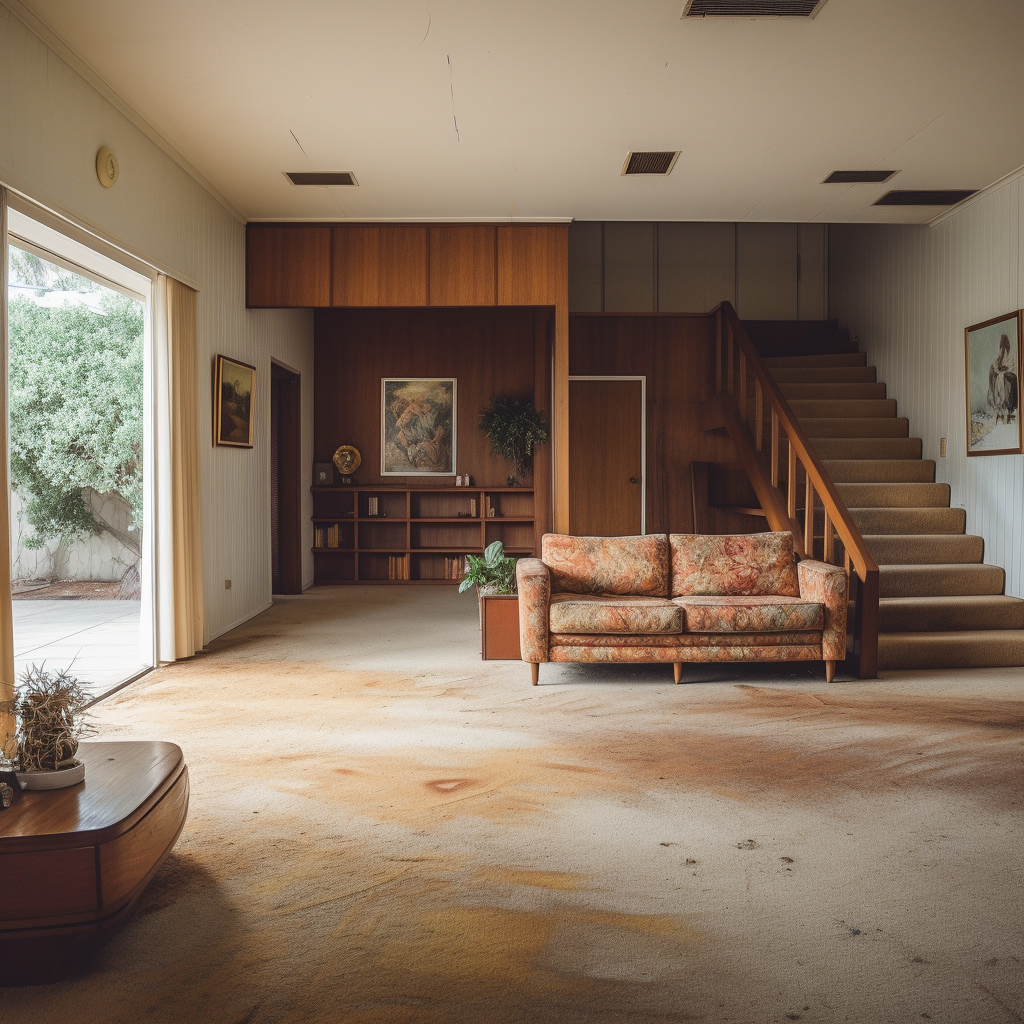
pixel 908 292
pixel 54 122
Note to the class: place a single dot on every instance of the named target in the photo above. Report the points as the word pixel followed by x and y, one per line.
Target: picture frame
pixel 992 360
pixel 234 399
pixel 417 426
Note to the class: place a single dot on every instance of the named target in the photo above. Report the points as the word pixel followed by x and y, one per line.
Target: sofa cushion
pixel 588 613
pixel 750 614
pixel 756 563
pixel 608 565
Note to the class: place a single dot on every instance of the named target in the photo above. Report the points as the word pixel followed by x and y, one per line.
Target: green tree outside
pixel 75 402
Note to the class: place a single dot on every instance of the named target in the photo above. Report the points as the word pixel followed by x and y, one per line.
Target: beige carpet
pixel 386 829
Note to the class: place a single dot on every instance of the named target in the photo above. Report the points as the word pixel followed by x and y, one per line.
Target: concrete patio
pixel 98 640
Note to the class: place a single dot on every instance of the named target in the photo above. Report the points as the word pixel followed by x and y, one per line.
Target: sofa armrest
pixel 830 587
pixel 533 581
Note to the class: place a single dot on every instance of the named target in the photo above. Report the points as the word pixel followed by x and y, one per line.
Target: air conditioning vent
pixel 650 163
pixel 752 8
pixel 852 177
pixel 321 177
pixel 925 197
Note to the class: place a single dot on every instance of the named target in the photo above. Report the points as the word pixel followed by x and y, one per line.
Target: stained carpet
pixel 383 828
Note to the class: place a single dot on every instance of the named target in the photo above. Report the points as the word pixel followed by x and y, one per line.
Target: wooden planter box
pixel 499 627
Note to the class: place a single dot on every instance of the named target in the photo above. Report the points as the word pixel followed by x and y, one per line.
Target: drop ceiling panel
pixel 474 108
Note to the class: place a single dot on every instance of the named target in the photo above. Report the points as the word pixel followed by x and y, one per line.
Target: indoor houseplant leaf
pixel 513 426
pixel 494 573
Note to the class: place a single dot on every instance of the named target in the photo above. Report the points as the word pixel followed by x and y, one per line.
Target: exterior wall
pixel 54 122
pixel 907 293
pixel 767 271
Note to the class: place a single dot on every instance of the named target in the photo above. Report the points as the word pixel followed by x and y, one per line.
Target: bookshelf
pixel 415 535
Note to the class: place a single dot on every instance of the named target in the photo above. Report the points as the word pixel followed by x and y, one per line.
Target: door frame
pixel 643 428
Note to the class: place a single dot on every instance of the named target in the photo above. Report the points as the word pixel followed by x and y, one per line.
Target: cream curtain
pixel 179 568
pixel 6 611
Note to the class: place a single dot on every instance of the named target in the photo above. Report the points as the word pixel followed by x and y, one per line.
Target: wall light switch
pixel 942 447
pixel 227 584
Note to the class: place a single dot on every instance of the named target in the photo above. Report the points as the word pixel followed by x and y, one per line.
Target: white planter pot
pixel 53 780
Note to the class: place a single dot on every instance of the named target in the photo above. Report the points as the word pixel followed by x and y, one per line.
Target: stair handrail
pixel 735 354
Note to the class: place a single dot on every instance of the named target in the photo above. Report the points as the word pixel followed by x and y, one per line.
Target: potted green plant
pixel 495 573
pixel 513 426
pixel 50 714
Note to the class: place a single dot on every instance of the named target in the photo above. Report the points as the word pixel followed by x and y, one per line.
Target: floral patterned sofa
pixel 679 598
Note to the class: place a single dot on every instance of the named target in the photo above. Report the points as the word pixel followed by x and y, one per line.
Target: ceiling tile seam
pixel 91 77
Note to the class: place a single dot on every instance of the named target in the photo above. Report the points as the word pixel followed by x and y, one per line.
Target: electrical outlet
pixel 942 447
pixel 227 584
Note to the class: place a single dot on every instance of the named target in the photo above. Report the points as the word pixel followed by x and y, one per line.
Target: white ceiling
pixel 550 95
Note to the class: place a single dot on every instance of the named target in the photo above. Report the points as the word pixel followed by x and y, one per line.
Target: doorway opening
pixel 285 480
pixel 607 456
pixel 81 544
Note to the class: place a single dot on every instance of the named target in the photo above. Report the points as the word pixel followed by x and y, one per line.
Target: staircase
pixel 940 605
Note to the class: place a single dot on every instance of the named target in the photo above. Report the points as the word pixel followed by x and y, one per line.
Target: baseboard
pixel 239 622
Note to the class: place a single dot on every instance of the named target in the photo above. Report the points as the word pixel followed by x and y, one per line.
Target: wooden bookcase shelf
pixel 418 533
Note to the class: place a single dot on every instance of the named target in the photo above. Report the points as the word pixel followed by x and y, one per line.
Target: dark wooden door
pixel 286 481
pixel 605 458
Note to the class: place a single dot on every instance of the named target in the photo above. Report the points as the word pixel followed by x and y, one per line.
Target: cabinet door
pixel 379 265
pixel 533 264
pixel 287 265
pixel 462 265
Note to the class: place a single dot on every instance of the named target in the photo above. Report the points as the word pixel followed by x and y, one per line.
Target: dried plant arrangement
pixel 50 712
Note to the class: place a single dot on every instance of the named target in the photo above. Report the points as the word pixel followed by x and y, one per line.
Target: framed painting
pixel 993 357
pixel 417 418
pixel 234 394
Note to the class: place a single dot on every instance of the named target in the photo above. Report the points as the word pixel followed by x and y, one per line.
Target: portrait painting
pixel 235 392
pixel 993 350
pixel 417 426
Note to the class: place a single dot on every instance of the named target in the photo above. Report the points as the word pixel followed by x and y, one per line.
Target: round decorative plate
pixel 347 459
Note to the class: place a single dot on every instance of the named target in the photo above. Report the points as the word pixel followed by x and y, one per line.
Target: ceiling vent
pixel 321 177
pixel 751 8
pixel 853 177
pixel 925 197
pixel 650 163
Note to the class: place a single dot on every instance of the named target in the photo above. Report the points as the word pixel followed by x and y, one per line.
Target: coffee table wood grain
pixel 74 861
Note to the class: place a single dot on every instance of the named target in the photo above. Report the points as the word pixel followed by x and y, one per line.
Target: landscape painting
pixel 993 386
pixel 233 406
pixel 417 426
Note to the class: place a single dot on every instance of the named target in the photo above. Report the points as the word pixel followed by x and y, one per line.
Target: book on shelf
pixel 398 567
pixel 318 537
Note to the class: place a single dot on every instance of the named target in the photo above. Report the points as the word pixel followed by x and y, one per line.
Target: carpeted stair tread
pixel 825 374
pixel 894 495
pixel 824 359
pixel 959 612
pixel 867 447
pixel 856 426
pixel 940 580
pixel 830 391
pixel 845 471
pixel 909 520
pixel 988 648
pixel 925 548
pixel 843 408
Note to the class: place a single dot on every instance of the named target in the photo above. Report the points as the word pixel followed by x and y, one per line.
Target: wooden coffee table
pixel 73 861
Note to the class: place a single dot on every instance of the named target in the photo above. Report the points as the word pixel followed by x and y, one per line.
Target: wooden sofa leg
pixel 534 672
pixel 677 671
pixel 830 671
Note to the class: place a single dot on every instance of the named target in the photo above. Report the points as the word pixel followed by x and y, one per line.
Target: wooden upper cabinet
pixel 533 264
pixel 287 265
pixel 462 265
pixel 379 265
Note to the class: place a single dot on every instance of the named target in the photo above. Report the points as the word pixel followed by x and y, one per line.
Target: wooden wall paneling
pixel 696 266
pixel 543 337
pixel 462 265
pixel 287 265
pixel 766 271
pixel 630 284
pixel 533 269
pixel 488 349
pixel 379 265
pixel 586 266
